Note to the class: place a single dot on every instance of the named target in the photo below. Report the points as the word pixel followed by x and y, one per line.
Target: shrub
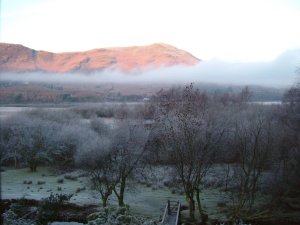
pixel 21 212
pixel 116 216
pixel 221 204
pixel 40 182
pixel 27 182
pixel 70 177
pixel 80 189
pixel 60 181
pixel 10 218
pixel 49 207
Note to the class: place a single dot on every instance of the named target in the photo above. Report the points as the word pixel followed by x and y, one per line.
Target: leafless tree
pixel 103 176
pixel 114 157
pixel 95 157
pixel 128 148
pixel 63 144
pixel 291 115
pixel 288 168
pixel 28 140
pixel 191 134
pixel 40 136
pixel 253 140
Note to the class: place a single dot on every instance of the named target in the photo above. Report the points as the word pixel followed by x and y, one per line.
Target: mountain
pixel 18 58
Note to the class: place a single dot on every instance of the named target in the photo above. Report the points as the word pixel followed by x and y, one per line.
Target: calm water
pixel 267 102
pixel 11 110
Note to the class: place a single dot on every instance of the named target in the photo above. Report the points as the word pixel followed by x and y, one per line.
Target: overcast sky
pixel 240 30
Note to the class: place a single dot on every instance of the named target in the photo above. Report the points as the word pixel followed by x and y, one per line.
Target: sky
pixel 231 30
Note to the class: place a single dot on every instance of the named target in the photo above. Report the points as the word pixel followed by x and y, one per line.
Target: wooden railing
pixel 166 214
pixel 171 213
pixel 178 214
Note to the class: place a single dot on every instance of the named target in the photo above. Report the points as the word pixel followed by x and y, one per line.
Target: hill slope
pixel 17 58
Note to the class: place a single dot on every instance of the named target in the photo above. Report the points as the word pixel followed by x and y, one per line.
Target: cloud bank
pixel 277 73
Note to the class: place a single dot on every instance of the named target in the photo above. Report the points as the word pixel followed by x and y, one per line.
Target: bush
pixel 80 189
pixel 22 212
pixel 60 181
pixel 116 216
pixel 221 204
pixel 40 182
pixel 50 207
pixel 10 218
pixel 70 177
pixel 27 182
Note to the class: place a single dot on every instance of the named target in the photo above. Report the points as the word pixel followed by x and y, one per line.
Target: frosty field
pixel 141 199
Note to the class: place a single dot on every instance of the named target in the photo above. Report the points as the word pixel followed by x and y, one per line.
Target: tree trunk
pixel 201 212
pixel 191 208
pixel 104 201
pixel 15 159
pixel 121 193
pixel 32 166
pixel 227 177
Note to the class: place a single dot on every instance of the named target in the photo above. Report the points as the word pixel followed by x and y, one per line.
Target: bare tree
pixel 28 140
pixel 253 141
pixel 63 144
pixel 94 156
pixel 39 136
pixel 114 157
pixel 291 115
pixel 191 133
pixel 103 176
pixel 128 147
pixel 288 174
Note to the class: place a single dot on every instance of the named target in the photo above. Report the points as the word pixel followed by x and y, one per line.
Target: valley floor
pixel 142 198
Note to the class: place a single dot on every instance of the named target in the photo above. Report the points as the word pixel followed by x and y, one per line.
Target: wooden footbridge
pixel 172 213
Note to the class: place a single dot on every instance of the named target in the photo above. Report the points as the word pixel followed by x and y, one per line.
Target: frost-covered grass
pixel 15 185
pixel 141 199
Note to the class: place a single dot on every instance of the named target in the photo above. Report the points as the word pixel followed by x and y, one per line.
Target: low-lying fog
pixel 277 73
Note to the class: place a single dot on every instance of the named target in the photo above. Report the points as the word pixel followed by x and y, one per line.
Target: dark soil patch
pixel 68 212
